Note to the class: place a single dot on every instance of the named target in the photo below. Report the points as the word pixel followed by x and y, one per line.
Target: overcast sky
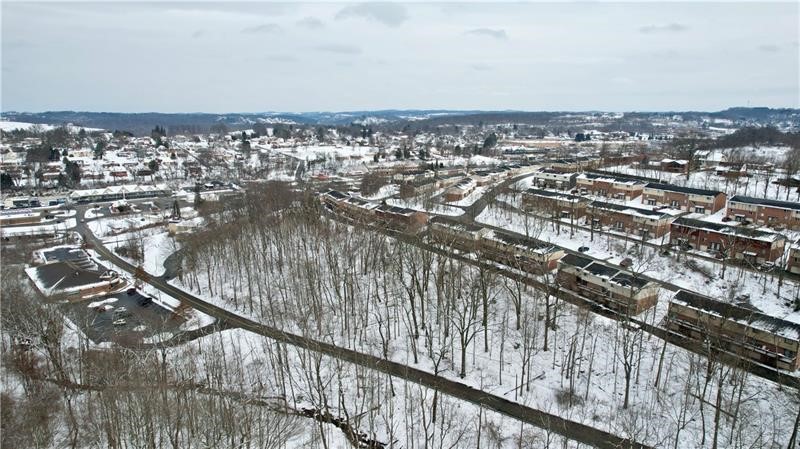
pixel 252 57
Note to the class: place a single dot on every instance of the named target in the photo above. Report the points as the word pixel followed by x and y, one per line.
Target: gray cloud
pixel 311 23
pixel 769 48
pixel 489 32
pixel 669 28
pixel 339 49
pixel 265 28
pixel 280 58
pixel 389 14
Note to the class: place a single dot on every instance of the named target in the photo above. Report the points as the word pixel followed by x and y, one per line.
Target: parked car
pixel 120 322
pixel 626 262
pixel 583 249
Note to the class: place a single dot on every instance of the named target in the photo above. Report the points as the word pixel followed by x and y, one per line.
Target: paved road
pixel 576 299
pixel 570 429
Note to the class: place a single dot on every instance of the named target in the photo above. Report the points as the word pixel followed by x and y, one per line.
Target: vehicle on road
pixel 120 322
pixel 583 249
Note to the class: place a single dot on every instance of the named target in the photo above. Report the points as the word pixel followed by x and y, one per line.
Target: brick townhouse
pixel 646 223
pixel 739 331
pixel 612 287
pixel 520 252
pixel 554 179
pixel 738 242
pixel 555 204
pixel 689 199
pixel 772 213
pixel 609 186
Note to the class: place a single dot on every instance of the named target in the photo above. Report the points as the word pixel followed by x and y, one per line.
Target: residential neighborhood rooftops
pixel 525 243
pixel 602 270
pixel 648 213
pixel 555 195
pixel 688 190
pixel 576 261
pixel 723 228
pixel 625 176
pixel 612 179
pixel 740 314
pixel 765 202
pixel 396 210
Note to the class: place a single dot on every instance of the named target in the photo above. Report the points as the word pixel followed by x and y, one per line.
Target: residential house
pixel 556 204
pixel 520 252
pixel 647 223
pixel 689 199
pixel 553 179
pixel 460 190
pixel 453 233
pixel 738 331
pixel 601 184
pixel 727 241
pixel 611 287
pixel 772 213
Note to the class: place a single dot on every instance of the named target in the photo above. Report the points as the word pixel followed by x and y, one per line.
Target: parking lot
pixel 127 316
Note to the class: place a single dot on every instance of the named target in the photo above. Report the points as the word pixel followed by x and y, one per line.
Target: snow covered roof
pixel 521 242
pixel 646 213
pixel 689 190
pixel 612 179
pixel 748 317
pixel 118 190
pixel 556 195
pixel 722 228
pixel 765 202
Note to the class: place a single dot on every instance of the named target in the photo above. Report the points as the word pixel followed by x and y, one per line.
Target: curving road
pixel 570 429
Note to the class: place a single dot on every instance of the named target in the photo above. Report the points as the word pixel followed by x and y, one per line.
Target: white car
pixel 120 322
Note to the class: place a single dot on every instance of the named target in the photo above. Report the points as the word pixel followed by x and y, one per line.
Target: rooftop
pixel 766 202
pixel 753 318
pixel 723 228
pixel 629 210
pixel 689 190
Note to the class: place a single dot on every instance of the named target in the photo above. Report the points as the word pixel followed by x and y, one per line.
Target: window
pixel 700 209
pixel 674 203
pixel 739 218
pixel 619 225
pixel 651 202
pixel 715 246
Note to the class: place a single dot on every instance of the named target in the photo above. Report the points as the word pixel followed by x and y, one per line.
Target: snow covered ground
pixel 758 185
pixel 370 312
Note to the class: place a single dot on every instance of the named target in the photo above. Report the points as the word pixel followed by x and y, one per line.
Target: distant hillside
pixel 193 123
pixel 176 123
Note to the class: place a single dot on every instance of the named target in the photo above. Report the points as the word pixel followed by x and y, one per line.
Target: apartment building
pixel 772 213
pixel 611 287
pixel 738 331
pixel 646 223
pixel 738 242
pixel 689 199
pixel 555 204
